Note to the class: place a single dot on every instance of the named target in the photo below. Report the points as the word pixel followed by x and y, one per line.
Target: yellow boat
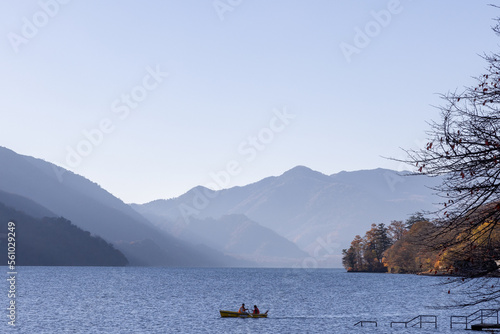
pixel 232 314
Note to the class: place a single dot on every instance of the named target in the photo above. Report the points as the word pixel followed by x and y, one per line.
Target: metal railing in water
pixel 481 315
pixel 418 320
pixel 366 322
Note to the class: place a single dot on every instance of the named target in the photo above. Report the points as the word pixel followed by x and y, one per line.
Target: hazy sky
pixel 151 98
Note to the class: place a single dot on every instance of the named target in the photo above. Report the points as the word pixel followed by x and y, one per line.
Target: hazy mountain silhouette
pixel 238 236
pixel 319 213
pixel 53 242
pixel 25 205
pixel 95 210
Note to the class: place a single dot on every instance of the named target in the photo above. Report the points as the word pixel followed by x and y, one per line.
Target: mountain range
pixel 30 184
pixel 299 218
pixel 319 213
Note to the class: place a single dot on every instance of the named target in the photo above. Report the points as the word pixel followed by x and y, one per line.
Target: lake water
pixel 179 300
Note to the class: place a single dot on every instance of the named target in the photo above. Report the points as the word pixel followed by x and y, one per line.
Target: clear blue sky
pixel 253 89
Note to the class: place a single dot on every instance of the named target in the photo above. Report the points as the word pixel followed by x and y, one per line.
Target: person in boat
pixel 243 309
pixel 256 310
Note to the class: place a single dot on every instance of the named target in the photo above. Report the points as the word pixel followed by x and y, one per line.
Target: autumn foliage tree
pixel 475 257
pixel 394 248
pixel 367 253
pixel 352 258
pixel 464 148
pixel 397 230
pixel 410 254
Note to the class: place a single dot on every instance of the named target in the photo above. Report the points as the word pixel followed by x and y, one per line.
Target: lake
pixel 188 300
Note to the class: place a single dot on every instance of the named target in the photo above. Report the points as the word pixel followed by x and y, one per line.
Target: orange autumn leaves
pixel 421 249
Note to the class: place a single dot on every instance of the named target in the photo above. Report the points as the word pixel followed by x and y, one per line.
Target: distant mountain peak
pixel 201 188
pixel 305 206
pixel 300 168
pixel 304 172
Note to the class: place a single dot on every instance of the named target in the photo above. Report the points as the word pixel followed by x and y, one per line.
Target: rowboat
pixel 232 314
